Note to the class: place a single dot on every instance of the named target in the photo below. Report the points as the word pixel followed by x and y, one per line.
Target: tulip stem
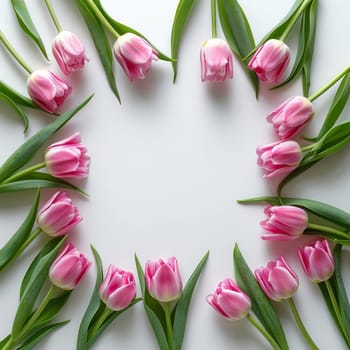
pixel 14 53
pixel 105 314
pixel 213 19
pixel 169 326
pixel 263 331
pixel 24 172
pixel 53 15
pixel 328 229
pixel 102 18
pixel 300 325
pixel 330 84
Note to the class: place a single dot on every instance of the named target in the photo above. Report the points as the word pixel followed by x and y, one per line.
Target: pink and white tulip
pixel 279 158
pixel 58 215
pixel 118 288
pixel 135 55
pixel 216 60
pixel 68 158
pixel 48 90
pixel 270 61
pixel 163 279
pixel 229 300
pixel 284 222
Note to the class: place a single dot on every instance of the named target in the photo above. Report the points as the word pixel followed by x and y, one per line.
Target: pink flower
pixel 58 215
pixel 270 61
pixel 216 60
pixel 69 52
pixel 48 90
pixel 229 300
pixel 118 288
pixel 163 279
pixel 317 261
pixel 278 158
pixel 291 117
pixel 135 55
pixel 68 158
pixel 277 280
pixel 284 222
pixel 69 268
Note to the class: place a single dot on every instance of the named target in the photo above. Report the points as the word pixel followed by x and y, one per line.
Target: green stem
pixel 330 84
pixel 14 53
pixel 99 322
pixel 53 15
pixel 294 19
pixel 308 147
pixel 102 18
pixel 328 229
pixel 9 345
pixel 213 19
pixel 169 326
pixel 24 172
pixel 263 331
pixel 300 325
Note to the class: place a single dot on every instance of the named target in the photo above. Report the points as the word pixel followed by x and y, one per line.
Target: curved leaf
pixel 27 25
pixel 16 96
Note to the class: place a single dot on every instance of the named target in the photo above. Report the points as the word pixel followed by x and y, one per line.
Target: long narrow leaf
pixel 27 25
pixel 16 96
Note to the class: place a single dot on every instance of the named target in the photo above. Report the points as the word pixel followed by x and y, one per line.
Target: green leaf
pixel 260 303
pixel 27 150
pixel 16 96
pixel 183 304
pixel 101 43
pixel 182 14
pixel 4 341
pixel 238 33
pixel 10 249
pixel 27 25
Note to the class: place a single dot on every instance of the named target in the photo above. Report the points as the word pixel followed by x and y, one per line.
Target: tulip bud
pixel 216 60
pixel 229 300
pixel 118 288
pixel 277 280
pixel 68 158
pixel 284 222
pixel 58 215
pixel 163 279
pixel 135 55
pixel 69 268
pixel 278 158
pixel 48 90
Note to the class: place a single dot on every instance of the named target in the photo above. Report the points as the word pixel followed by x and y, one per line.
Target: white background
pixel 168 166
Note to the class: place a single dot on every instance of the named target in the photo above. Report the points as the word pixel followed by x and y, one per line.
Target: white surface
pixel 168 165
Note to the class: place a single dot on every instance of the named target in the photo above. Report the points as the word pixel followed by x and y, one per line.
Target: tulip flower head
pixel 68 158
pixel 135 55
pixel 216 60
pixel 284 222
pixel 278 158
pixel 291 117
pixel 48 90
pixel 58 215
pixel 69 268
pixel 229 300
pixel 118 288
pixel 317 261
pixel 163 279
pixel 277 280
pixel 270 61
pixel 69 52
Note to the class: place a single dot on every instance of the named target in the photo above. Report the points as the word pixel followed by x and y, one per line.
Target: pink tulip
pixel 48 90
pixel 69 268
pixel 135 55
pixel 69 52
pixel 284 222
pixel 58 215
pixel 216 60
pixel 278 158
pixel 163 279
pixel 68 158
pixel 118 288
pixel 229 300
pixel 270 61
pixel 291 117
pixel 317 261
pixel 277 280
